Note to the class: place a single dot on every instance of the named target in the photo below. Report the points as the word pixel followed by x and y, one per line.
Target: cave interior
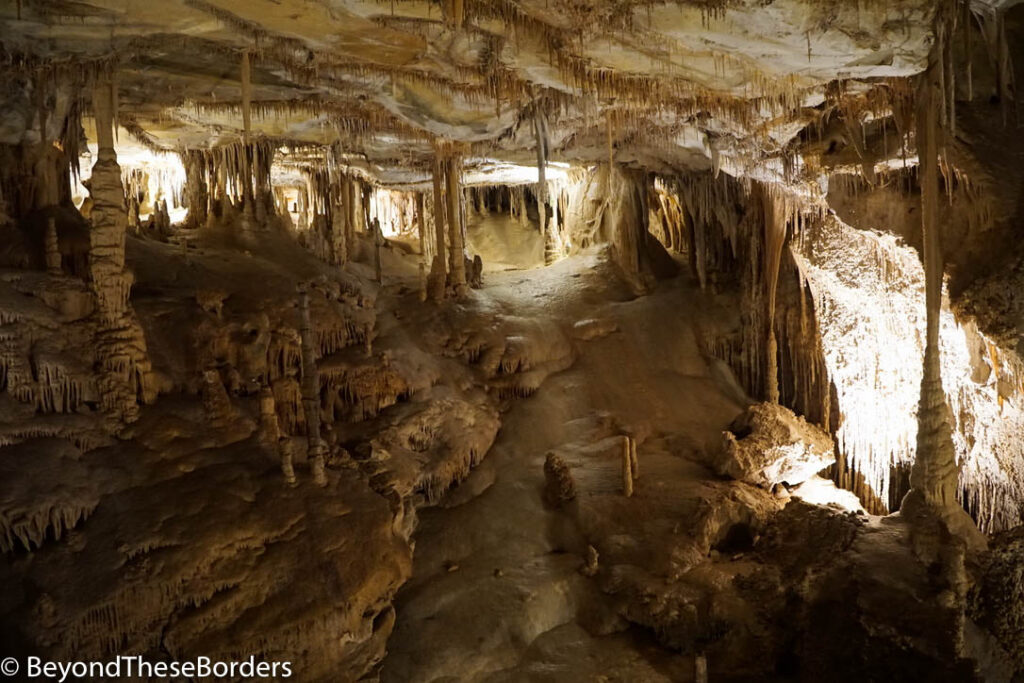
pixel 514 340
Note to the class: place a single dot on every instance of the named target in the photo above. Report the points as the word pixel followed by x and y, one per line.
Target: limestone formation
pixel 215 399
pixel 559 487
pixel 769 445
pixel 774 243
pixel 627 466
pixel 310 393
pixel 590 564
pixel 53 258
pixel 270 430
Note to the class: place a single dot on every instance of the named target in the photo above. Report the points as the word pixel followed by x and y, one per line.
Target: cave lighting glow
pixel 166 175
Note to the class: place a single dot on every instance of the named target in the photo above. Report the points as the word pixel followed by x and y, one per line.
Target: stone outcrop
pixel 769 445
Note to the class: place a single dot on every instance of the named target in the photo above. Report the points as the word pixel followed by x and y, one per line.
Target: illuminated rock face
pixel 769 445
pixel 868 294
pixel 481 334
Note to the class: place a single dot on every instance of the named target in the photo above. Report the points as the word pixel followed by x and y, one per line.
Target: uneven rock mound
pixel 769 445
pixel 997 600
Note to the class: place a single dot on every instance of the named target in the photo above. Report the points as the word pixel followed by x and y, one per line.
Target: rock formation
pixel 768 445
pixel 332 333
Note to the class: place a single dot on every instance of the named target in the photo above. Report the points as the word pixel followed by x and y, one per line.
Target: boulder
pixel 768 444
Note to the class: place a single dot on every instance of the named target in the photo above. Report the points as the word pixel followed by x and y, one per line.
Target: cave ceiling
pixel 682 86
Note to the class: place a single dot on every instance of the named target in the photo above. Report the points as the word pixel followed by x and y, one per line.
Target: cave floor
pixel 496 593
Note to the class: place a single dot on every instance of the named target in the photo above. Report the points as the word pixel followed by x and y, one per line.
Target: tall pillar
pixel 311 392
pixel 540 128
pixel 339 219
pixel 120 343
pixel 196 192
pixel 438 269
pixel 934 473
pixel 456 252
pixel 421 225
pixel 110 281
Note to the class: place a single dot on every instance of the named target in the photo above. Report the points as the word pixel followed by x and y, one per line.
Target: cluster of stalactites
pixel 880 122
pixel 448 270
pixel 737 232
pixel 225 181
pixel 333 207
pixel 36 173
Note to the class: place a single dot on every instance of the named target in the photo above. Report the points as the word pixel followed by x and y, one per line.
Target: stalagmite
pixel 700 668
pixel 215 399
pixel 627 466
pixel 53 258
pixel 934 476
pixel 378 243
pixel 590 563
pixel 286 450
pixel 559 487
pixel 421 227
pixel 634 463
pixel 311 392
pixel 270 429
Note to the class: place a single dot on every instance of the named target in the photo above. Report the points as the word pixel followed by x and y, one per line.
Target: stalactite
pixel 966 26
pixel 30 532
pixel 245 152
pixel 776 214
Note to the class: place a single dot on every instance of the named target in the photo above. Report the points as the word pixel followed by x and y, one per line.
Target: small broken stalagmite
pixel 590 562
pixel 559 486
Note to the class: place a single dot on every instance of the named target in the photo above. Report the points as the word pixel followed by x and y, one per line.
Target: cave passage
pixel 512 340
